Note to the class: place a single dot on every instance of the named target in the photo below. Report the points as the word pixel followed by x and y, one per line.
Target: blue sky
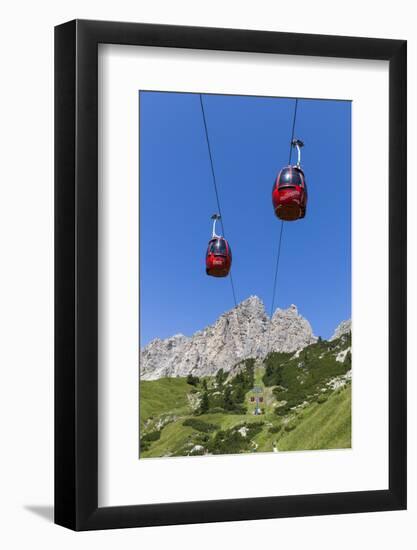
pixel 250 143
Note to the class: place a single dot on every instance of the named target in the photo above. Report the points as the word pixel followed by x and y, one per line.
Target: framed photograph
pixel 230 255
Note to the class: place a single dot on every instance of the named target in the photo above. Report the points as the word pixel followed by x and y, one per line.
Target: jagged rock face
pixel 243 332
pixel 289 331
pixel 343 328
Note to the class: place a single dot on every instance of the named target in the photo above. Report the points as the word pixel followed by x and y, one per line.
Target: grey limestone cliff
pixel 243 332
pixel 343 328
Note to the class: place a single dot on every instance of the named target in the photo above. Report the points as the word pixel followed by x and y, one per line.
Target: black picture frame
pixel 76 272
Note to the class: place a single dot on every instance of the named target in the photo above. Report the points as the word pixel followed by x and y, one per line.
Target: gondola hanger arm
pixel 215 217
pixel 297 143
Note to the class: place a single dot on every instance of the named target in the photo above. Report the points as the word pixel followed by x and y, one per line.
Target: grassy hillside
pixel 162 397
pixel 305 404
pixel 322 426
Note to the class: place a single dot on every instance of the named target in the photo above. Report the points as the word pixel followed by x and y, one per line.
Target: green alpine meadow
pixel 285 401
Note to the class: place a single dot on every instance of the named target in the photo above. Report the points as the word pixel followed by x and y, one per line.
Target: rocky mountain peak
pixel 252 306
pixel 291 311
pixel 343 328
pixel 242 332
pixel 289 331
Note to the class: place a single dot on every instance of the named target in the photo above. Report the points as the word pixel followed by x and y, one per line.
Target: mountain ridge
pixel 243 332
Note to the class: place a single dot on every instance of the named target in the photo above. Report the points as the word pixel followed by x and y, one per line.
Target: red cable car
pixel 289 193
pixel 219 254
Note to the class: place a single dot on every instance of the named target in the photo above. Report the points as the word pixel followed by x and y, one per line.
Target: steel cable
pixel 274 287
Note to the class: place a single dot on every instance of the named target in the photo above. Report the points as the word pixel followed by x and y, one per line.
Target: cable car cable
pixel 293 129
pixel 220 212
pixel 274 287
pixel 211 163
pixel 215 187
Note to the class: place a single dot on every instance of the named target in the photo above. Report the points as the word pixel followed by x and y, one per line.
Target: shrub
pixel 220 377
pixel 197 452
pixel 204 404
pixel 146 440
pixel 238 409
pixel 193 380
pixel 152 436
pixel 200 426
pixel 275 429
pixel 228 399
pixel 290 426
pixel 282 410
pixel 273 368
pixel 227 442
pixel 321 399
pixel 233 393
pixel 254 428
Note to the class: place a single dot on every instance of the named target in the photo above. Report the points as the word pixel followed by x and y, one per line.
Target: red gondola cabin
pixel 289 194
pixel 218 257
